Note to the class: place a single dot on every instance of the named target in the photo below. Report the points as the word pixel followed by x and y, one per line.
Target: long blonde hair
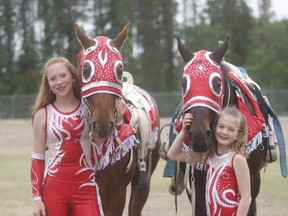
pixel 240 143
pixel 45 96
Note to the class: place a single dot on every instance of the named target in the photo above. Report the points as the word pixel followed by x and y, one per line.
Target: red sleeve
pixel 37 174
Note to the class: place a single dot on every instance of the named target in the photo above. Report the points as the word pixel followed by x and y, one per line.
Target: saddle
pixel 141 116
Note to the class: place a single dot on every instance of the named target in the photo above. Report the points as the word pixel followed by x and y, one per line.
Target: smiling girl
pixel 228 178
pixel 60 124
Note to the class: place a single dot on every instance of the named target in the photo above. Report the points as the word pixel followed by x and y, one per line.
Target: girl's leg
pixel 54 200
pixel 85 202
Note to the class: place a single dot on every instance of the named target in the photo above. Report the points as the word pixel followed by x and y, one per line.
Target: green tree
pixel 268 53
pixel 235 17
pixel 27 70
pixel 58 18
pixel 155 36
pixel 8 20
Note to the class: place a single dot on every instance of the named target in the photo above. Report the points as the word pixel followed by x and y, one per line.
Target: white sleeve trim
pixel 38 156
pixel 37 198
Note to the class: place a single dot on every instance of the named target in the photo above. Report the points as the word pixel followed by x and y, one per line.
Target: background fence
pixel 19 106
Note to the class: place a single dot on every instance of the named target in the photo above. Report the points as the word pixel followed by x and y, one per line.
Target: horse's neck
pixel 230 96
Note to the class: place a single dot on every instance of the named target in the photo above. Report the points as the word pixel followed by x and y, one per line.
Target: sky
pixel 279 7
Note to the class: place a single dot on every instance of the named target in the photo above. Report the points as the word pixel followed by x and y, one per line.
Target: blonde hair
pixel 239 144
pixel 45 96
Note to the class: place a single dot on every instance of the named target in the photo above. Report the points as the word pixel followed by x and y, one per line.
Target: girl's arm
pixel 243 180
pixel 175 151
pixel 38 161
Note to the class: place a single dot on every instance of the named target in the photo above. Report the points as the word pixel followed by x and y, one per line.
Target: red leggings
pixel 68 200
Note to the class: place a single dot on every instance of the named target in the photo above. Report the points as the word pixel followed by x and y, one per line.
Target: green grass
pixel 15 186
pixel 15 189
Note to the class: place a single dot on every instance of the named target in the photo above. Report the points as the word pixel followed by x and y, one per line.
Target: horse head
pixel 101 75
pixel 202 91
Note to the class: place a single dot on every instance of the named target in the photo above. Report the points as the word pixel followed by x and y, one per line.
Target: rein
pixel 227 87
pixel 95 148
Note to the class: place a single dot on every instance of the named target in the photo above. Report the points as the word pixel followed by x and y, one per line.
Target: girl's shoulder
pixel 41 113
pixel 238 156
pixel 39 121
pixel 238 160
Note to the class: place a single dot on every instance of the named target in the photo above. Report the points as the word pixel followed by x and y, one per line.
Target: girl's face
pixel 60 79
pixel 226 132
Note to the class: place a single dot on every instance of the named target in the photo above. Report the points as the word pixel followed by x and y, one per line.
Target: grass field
pixel 15 188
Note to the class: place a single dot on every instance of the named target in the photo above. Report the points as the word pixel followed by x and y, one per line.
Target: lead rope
pixel 95 148
pixel 192 189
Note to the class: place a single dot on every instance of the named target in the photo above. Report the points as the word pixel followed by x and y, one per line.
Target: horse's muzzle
pixel 200 140
pixel 103 131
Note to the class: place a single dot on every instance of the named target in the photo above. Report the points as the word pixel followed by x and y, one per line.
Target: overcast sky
pixel 278 6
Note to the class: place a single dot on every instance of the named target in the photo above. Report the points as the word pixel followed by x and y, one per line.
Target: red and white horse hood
pixel 206 72
pixel 98 59
pixel 203 81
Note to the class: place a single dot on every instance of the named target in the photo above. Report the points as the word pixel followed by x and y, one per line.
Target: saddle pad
pixel 255 123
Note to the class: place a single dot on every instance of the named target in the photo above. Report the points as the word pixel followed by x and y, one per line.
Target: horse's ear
pixel 83 39
pixel 186 54
pixel 220 44
pixel 219 53
pixel 121 37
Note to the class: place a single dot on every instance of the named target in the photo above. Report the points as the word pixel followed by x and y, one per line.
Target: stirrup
pixel 271 152
pixel 176 190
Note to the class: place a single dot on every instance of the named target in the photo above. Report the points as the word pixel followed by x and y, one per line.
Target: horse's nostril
pixel 94 125
pixel 209 134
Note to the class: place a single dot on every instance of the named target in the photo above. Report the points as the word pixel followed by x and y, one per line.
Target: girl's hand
pixel 120 107
pixel 187 122
pixel 39 208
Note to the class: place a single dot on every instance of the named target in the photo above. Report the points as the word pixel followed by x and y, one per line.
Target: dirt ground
pixel 16 136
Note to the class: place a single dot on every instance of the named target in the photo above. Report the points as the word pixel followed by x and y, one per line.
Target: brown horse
pixel 130 151
pixel 208 84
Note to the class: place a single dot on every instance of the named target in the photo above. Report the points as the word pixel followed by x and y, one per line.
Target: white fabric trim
pixel 118 153
pixel 254 142
pixel 36 198
pixel 38 156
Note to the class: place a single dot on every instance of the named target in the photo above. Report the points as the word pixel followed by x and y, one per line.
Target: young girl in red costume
pixel 228 178
pixel 60 122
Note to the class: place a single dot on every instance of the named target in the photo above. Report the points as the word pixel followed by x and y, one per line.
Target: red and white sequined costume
pixel 222 193
pixel 69 186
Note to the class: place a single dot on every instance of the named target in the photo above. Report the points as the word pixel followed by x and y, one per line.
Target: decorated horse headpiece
pixel 203 68
pixel 97 59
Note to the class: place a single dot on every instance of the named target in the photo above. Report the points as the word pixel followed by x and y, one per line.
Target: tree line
pixel 33 30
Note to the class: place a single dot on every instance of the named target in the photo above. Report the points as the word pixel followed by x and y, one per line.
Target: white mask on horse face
pixel 101 69
pixel 202 83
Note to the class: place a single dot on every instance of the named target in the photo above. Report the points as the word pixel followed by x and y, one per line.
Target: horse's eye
pixel 118 71
pixel 215 83
pixel 185 85
pixel 87 71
